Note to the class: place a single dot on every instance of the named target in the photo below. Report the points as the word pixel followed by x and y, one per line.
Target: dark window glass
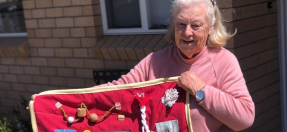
pixel 11 17
pixel 123 13
pixel 159 13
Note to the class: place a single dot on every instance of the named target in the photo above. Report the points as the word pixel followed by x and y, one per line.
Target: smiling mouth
pixel 188 42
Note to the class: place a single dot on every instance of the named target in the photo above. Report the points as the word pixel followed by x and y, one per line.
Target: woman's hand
pixel 190 82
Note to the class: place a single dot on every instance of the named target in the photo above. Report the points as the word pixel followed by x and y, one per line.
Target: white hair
pixel 218 35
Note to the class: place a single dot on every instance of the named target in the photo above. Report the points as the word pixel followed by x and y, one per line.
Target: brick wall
pixel 63 34
pixel 256 47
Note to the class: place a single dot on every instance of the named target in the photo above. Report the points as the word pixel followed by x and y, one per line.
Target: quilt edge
pixel 111 88
pixel 187 113
pixel 33 117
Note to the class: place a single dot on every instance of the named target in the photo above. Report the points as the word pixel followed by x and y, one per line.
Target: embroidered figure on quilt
pixel 142 101
pixel 170 97
pixel 93 117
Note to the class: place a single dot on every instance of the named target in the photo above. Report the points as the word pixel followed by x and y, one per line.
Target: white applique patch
pixel 170 97
pixel 167 126
pixel 118 105
pixel 58 105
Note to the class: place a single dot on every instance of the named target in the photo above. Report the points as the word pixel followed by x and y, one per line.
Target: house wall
pixel 256 47
pixel 63 46
pixel 62 35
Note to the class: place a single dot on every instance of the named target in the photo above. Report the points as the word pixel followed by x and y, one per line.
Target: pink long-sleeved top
pixel 227 105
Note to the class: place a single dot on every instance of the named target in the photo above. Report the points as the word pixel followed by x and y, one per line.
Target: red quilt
pixel 46 117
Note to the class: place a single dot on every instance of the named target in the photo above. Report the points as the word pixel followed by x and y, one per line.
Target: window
pixel 12 19
pixel 135 16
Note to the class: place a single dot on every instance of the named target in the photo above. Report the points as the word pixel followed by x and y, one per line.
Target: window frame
pixel 127 31
pixel 282 33
pixel 24 34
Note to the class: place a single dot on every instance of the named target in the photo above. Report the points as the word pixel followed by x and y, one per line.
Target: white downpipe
pixel 282 39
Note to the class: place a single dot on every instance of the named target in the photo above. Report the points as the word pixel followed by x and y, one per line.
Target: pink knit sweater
pixel 227 105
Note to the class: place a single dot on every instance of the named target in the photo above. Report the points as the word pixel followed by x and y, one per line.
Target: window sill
pixel 128 47
pixel 14 47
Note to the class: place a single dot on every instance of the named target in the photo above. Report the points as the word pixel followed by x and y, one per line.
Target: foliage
pixel 5 125
pixel 22 116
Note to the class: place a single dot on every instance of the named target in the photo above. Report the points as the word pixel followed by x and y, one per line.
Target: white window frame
pixel 2 35
pixel 126 31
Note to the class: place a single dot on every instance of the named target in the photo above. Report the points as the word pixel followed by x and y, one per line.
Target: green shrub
pixel 22 116
pixel 5 125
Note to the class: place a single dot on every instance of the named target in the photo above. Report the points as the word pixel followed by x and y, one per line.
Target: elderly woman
pixel 220 100
pixel 211 74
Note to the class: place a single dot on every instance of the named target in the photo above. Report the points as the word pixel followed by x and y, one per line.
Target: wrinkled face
pixel 191 29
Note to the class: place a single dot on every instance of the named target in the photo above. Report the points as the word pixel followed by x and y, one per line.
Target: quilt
pixel 158 105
